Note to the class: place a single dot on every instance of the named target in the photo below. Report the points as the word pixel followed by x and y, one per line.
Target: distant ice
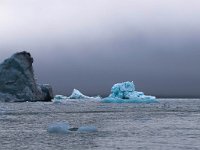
pixel 125 93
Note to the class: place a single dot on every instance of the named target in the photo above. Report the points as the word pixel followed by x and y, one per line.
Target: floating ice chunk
pixel 87 129
pixel 59 128
pixel 125 93
pixel 64 128
pixel 76 94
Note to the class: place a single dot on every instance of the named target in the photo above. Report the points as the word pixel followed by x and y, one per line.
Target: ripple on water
pixel 169 124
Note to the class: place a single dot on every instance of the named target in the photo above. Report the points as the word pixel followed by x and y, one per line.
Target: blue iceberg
pixel 125 93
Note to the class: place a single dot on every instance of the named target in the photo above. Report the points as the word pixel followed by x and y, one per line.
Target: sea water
pixel 170 124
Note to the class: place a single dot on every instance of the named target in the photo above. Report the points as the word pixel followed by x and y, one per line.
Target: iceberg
pixel 76 94
pixel 125 93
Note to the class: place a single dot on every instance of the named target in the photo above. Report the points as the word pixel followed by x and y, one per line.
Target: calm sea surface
pixel 171 124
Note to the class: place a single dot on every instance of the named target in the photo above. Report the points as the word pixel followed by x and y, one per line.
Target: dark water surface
pixel 170 124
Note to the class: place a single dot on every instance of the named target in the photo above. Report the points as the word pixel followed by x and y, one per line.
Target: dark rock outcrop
pixel 17 82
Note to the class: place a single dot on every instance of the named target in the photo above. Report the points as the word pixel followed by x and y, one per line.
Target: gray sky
pixel 92 44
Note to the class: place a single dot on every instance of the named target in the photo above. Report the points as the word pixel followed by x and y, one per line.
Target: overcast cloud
pixel 92 44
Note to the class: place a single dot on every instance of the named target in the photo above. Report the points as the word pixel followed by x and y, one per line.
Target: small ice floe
pixel 59 128
pixel 125 93
pixel 86 129
pixel 64 128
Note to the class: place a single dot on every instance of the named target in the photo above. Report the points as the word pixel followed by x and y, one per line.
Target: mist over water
pixel 90 45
